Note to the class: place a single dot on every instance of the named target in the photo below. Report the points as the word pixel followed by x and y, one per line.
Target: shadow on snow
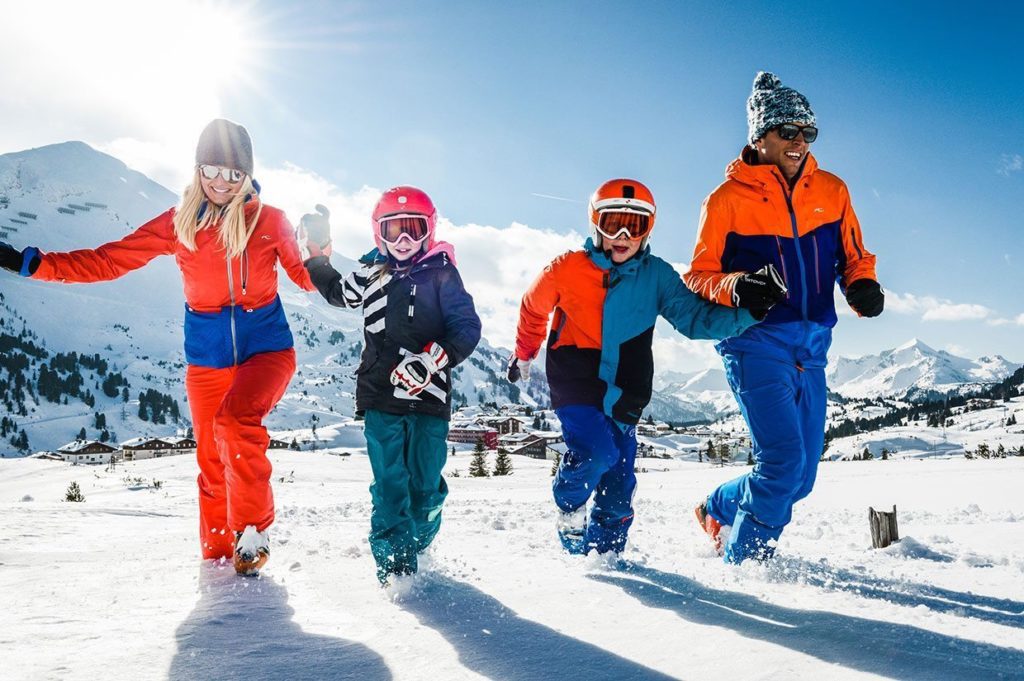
pixel 890 650
pixel 494 641
pixel 996 610
pixel 242 628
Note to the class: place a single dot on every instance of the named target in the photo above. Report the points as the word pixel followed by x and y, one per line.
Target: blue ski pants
pixel 407 453
pixel 783 404
pixel 598 463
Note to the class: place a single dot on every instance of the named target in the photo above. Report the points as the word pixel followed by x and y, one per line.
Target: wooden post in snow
pixel 884 530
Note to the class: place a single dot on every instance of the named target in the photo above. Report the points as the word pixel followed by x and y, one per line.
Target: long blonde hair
pixel 229 219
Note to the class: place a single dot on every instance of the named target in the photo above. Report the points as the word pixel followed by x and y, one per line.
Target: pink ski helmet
pixel 404 202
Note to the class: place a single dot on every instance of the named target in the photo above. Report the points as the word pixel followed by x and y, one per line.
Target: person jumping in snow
pixel 238 346
pixel 777 207
pixel 600 365
pixel 419 323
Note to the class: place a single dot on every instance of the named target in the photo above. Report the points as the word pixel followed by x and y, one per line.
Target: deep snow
pixel 113 587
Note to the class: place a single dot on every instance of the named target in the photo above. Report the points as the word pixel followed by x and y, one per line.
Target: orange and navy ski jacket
pixel 599 350
pixel 232 310
pixel 810 234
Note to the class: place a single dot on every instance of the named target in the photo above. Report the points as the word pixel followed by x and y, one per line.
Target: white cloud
pixel 955 312
pixel 1010 163
pixel 497 264
pixel 933 309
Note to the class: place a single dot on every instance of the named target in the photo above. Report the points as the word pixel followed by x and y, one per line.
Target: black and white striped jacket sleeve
pixel 339 291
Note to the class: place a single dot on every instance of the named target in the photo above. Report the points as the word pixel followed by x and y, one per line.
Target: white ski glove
pixel 413 373
pixel 314 233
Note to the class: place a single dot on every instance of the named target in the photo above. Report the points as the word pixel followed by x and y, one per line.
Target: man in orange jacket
pixel 778 208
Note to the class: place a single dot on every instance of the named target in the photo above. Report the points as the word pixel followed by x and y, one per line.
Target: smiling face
pixel 788 155
pixel 404 248
pixel 218 190
pixel 622 248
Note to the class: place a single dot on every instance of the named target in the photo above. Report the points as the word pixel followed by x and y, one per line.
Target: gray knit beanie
pixel 225 143
pixel 770 105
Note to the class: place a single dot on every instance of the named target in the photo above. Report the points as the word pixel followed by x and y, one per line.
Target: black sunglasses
pixel 789 131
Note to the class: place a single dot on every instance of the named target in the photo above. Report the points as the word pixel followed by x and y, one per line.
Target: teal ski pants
pixel 407 453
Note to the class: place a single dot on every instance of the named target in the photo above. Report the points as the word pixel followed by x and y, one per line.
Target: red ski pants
pixel 228 407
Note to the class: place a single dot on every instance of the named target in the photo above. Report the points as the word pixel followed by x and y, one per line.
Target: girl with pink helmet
pixel 419 323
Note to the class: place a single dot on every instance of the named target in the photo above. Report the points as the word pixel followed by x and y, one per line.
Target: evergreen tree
pixel 1001 451
pixel 724 453
pixel 554 464
pixel 983 450
pixel 503 463
pixel 73 493
pixel 750 458
pixel 885 454
pixel 867 456
pixel 478 466
pixel 710 451
pixel 81 434
pixel 1020 452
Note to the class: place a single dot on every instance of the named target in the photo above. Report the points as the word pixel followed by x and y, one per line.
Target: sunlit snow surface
pixel 113 587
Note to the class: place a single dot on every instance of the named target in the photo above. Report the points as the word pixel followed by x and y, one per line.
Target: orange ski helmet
pixel 622 207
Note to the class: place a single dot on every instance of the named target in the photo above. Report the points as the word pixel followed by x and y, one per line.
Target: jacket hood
pixel 762 175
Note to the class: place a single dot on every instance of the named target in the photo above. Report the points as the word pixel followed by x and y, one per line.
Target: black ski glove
pixel 13 260
pixel 866 297
pixel 759 291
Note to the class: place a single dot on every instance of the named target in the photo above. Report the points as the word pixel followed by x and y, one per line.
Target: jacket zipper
pixel 231 295
pixel 817 264
pixel 799 253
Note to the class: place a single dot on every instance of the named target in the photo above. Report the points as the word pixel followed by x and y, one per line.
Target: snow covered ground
pixel 113 588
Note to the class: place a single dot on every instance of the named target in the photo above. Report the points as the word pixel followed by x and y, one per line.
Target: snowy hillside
pixel 112 587
pixel 993 429
pixel 915 370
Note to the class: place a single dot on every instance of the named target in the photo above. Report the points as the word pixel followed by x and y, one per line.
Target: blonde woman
pixel 237 342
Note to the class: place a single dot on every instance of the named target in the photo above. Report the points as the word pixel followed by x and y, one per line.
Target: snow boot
pixel 709 525
pixel 252 549
pixel 572 529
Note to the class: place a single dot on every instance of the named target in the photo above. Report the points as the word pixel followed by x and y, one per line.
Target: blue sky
pixel 486 105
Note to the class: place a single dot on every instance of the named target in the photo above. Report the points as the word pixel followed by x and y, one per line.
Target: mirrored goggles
pixel 393 227
pixel 789 131
pixel 631 223
pixel 229 174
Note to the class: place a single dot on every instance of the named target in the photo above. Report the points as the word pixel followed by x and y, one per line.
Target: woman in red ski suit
pixel 239 348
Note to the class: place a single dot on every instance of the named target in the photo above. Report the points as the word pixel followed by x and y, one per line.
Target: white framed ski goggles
pixel 409 226
pixel 211 172
pixel 624 221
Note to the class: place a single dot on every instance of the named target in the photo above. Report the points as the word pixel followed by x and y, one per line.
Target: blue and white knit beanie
pixel 770 105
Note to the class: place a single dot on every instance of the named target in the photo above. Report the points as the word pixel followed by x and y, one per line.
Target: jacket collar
pixel 764 175
pixel 601 259
pixel 439 256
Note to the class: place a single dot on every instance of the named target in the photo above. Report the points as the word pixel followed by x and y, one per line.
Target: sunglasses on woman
pixel 229 174
pixel 622 221
pixel 392 228
pixel 789 131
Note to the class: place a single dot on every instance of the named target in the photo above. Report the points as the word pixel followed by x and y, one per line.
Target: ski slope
pixel 112 588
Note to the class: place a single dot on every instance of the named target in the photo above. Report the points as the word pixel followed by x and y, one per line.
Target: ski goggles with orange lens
pixel 393 227
pixel 633 224
pixel 229 174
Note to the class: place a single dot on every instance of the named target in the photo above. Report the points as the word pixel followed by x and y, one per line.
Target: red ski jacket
pixel 232 309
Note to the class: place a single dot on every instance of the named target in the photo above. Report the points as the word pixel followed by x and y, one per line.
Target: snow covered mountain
pixel 67 196
pixel 915 371
pixel 127 340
